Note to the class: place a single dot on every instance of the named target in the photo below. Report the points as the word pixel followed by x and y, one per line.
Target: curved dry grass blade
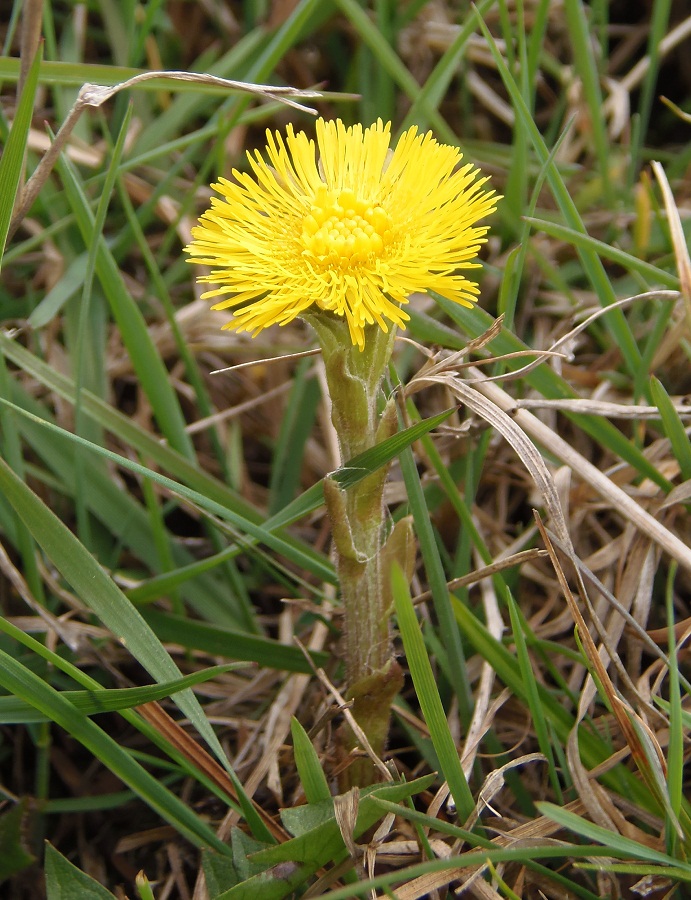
pixel 681 251
pixel 492 412
pixel 95 95
pixel 625 505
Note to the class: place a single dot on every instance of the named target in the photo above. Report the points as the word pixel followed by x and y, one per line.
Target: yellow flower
pixel 345 225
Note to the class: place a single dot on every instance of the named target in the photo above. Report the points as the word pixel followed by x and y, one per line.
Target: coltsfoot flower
pixel 345 225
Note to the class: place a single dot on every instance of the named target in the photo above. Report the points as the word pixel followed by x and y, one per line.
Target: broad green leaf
pixel 289 865
pixel 299 820
pixel 64 881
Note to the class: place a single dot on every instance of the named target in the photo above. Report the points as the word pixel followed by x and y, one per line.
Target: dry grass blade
pixel 585 470
pixel 493 413
pixel 178 737
pixel 248 364
pixel 477 575
pixel 276 723
pixel 495 782
pixel 681 250
pixel 639 738
pixel 678 34
pixel 66 631
pixel 345 810
pixel 95 95
pixel 604 408
pixel 481 720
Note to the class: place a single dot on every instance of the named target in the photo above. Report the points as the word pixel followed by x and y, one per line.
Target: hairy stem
pixel 363 551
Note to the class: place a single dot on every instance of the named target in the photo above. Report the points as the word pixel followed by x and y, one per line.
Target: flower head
pixel 345 225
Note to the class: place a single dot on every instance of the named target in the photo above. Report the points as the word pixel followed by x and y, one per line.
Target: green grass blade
pixel 100 593
pixel 675 754
pixel 593 749
pixel 296 426
pixel 176 117
pixel 147 363
pixel 657 28
pixel 14 151
pixel 673 427
pixel 91 703
pixel 58 73
pixel 309 767
pixel 584 61
pixel 86 340
pixel 217 640
pixel 618 326
pixel 437 580
pixel 56 298
pixel 160 289
pixel 428 696
pixel 613 841
pixel 129 432
pixel 473 839
pixel 103 596
pixel 10 446
pixel 653 275
pixel 387 57
pixel 533 696
pixel 119 513
pixel 23 683
pixel 311 562
pixel 467 861
pixel 150 447
pixel 437 84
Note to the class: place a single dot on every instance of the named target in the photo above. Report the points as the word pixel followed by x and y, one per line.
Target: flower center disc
pixel 340 229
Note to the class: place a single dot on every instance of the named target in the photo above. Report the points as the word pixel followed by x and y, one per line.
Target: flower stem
pixel 363 550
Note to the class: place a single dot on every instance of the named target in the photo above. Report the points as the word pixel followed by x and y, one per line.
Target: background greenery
pixel 158 520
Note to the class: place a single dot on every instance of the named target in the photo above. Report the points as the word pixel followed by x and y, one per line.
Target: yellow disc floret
pixel 343 230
